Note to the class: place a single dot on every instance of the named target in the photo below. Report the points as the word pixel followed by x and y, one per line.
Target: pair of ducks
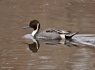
pixel 48 34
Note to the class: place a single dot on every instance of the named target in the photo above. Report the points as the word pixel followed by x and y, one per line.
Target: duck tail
pixel 71 35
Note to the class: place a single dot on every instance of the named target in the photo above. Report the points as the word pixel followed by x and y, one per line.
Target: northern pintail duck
pixel 49 33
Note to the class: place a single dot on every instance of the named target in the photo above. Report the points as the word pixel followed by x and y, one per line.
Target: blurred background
pixel 73 15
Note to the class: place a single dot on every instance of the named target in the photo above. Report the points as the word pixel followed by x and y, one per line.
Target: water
pixel 70 15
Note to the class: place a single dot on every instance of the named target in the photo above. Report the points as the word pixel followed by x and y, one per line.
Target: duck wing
pixel 58 31
pixel 62 31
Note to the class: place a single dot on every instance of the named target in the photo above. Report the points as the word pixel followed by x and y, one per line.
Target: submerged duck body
pixel 49 33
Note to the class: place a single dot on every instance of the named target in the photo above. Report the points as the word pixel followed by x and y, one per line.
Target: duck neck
pixel 36 30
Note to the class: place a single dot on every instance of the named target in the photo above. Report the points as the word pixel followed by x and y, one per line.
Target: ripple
pixel 47 67
pixel 85 39
pixel 45 57
pixel 83 58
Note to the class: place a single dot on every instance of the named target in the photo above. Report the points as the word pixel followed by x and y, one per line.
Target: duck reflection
pixel 35 45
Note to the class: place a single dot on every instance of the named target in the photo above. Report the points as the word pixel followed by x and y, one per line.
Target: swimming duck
pixel 49 33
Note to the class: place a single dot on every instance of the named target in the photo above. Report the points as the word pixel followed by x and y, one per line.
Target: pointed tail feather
pixel 71 35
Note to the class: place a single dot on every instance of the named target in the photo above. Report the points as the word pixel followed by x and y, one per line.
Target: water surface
pixel 73 15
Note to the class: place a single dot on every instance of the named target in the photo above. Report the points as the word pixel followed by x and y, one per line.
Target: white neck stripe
pixel 35 31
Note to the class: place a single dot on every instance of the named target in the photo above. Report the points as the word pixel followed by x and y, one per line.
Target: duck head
pixel 35 25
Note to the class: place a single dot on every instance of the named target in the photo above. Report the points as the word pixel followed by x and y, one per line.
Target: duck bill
pixel 26 27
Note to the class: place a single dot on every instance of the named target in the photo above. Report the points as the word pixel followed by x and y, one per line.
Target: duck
pixel 50 33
